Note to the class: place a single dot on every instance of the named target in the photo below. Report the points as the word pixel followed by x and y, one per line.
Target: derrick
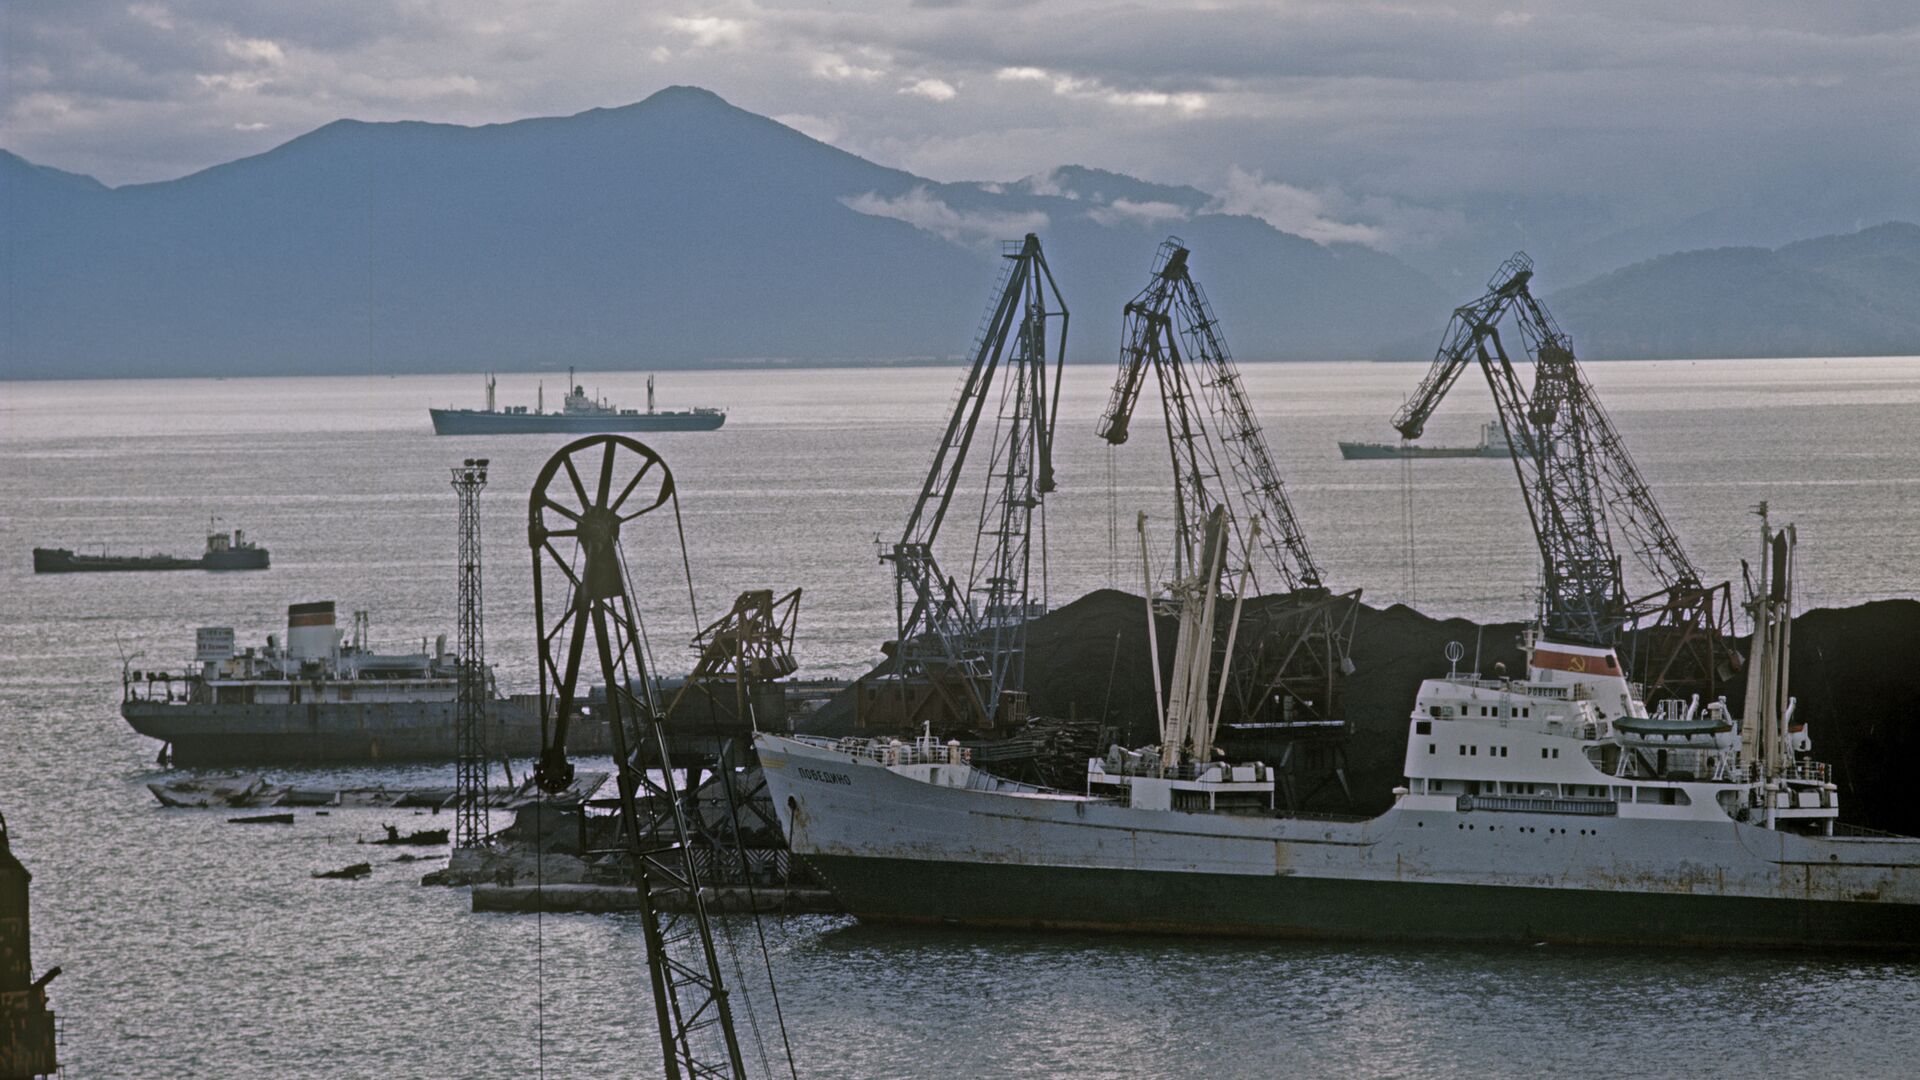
pixel 1585 496
pixel 1288 654
pixel 959 653
pixel 585 612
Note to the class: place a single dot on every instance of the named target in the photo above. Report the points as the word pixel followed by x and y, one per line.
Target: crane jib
pixel 1582 488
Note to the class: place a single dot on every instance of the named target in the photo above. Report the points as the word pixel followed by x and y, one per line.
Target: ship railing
pixel 895 752
pixel 1513 686
pixel 1814 771
pixel 1749 772
pixel 1320 815
pixel 1533 804
pixel 1861 832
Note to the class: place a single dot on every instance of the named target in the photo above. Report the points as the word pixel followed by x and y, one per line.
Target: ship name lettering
pixel 820 776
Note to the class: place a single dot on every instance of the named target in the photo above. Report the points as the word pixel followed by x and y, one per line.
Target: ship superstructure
pixel 580 413
pixel 321 694
pixel 1550 807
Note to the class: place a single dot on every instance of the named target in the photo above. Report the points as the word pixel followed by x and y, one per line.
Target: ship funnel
pixel 310 632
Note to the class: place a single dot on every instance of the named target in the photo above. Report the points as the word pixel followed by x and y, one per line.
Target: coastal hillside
pixel 682 230
pixel 675 231
pixel 1844 295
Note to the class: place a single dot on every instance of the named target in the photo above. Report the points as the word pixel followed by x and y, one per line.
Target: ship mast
pixel 1190 718
pixel 1768 708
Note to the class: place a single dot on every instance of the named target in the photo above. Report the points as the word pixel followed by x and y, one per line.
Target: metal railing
pixel 918 752
pixel 1528 804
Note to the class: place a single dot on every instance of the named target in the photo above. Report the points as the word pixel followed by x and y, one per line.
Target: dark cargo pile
pixel 1854 673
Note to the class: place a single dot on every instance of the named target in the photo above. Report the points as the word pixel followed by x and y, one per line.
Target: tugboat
pixel 1493 444
pixel 223 552
pixel 579 414
pixel 1550 808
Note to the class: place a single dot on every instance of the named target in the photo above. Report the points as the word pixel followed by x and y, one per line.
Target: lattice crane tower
pixel 470 717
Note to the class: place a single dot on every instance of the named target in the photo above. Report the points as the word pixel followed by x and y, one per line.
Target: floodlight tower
pixel 470 716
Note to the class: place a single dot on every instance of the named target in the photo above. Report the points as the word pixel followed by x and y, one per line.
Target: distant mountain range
pixel 681 230
pixel 1851 295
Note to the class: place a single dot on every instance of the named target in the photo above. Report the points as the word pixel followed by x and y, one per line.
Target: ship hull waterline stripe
pixel 1297 906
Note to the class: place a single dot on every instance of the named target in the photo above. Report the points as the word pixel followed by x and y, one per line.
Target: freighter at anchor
pixel 223 552
pixel 579 414
pixel 1553 807
pixel 318 696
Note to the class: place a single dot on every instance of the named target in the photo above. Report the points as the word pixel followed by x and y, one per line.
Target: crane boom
pixel 1171 328
pixel 1575 473
pixel 974 637
pixel 1286 666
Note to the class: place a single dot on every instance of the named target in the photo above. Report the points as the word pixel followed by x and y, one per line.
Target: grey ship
pixel 1549 808
pixel 579 414
pixel 1493 444
pixel 223 552
pixel 319 696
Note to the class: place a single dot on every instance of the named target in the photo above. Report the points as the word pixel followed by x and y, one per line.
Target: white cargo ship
pixel 1553 807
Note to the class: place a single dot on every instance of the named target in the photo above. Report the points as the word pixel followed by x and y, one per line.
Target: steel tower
pixel 470 825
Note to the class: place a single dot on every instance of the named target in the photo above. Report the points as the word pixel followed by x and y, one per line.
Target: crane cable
pixel 1113 523
pixel 540 891
pixel 540 933
pixel 652 676
pixel 1407 526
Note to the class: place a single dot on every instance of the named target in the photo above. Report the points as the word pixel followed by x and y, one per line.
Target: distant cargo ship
pixel 1493 444
pixel 223 552
pixel 579 415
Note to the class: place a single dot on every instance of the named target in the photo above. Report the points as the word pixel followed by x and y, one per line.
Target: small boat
pixel 417 838
pixel 1493 444
pixel 346 873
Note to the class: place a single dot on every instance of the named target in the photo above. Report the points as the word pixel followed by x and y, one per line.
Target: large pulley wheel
pixel 585 493
pixel 580 500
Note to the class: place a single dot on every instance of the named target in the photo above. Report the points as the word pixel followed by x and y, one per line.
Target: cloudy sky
pixel 1397 124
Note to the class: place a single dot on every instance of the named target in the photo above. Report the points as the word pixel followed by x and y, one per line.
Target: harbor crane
pixel 967 642
pixel 1294 653
pixel 1581 488
pixel 582 595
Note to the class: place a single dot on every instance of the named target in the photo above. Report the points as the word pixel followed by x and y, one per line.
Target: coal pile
pixel 1854 673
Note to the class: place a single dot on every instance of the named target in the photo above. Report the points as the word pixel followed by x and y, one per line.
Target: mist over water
pixel 191 947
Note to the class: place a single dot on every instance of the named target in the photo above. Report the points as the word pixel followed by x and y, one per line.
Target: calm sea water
pixel 196 948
